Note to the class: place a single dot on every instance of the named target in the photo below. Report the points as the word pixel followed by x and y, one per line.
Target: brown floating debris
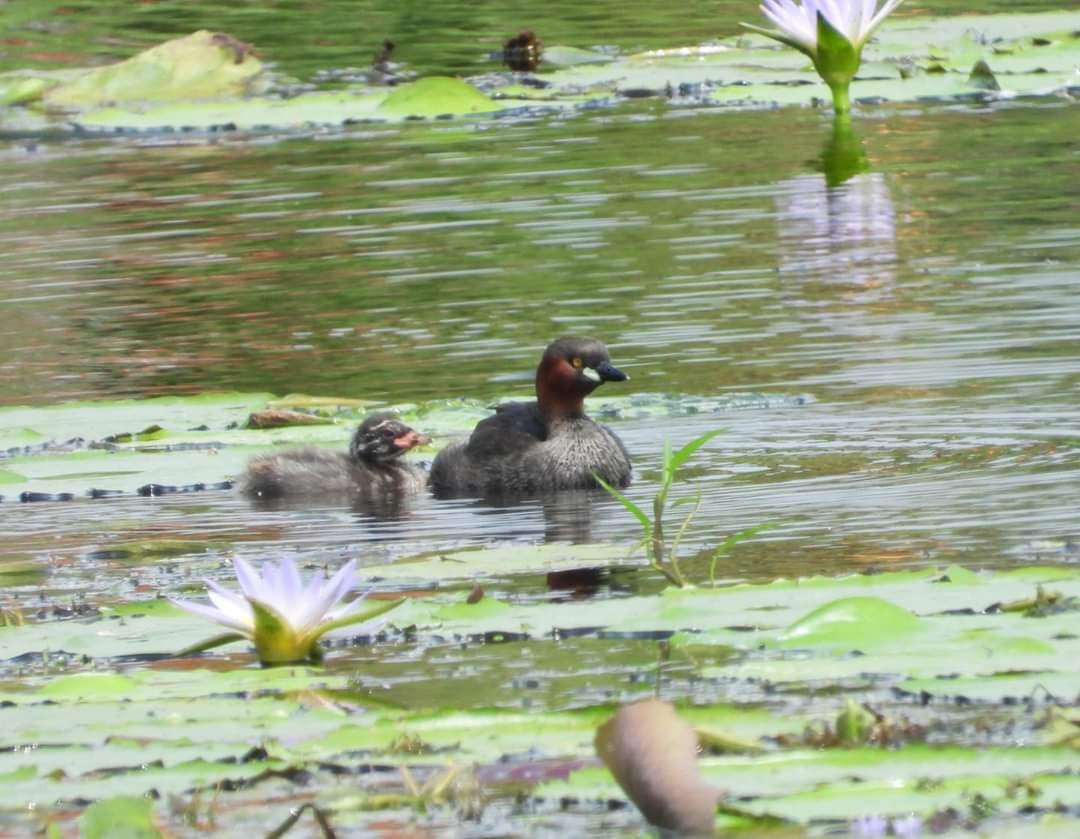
pixel 240 49
pixel 523 53
pixel 381 65
pixel 277 418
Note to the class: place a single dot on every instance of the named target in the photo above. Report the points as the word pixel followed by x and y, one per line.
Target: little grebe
pixel 541 446
pixel 372 466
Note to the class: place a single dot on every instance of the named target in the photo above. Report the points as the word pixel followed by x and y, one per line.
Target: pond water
pixel 895 360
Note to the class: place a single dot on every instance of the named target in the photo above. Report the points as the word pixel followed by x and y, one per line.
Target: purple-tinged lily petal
pixel 204 611
pixel 884 12
pixel 233 612
pixel 332 591
pixel 301 608
pixel 856 20
pixel 248 577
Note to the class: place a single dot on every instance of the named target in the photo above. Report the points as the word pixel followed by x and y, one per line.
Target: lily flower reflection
pixel 281 615
pixel 871 827
pixel 844 233
pixel 831 33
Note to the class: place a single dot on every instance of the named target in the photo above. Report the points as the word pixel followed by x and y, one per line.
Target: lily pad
pixel 851 622
pixel 426 98
pixel 910 59
pixel 123 816
pixel 436 96
pixel 201 65
pixel 257 113
pixel 173 441
pixel 468 565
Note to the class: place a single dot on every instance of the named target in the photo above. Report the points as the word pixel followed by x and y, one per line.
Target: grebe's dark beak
pixel 608 372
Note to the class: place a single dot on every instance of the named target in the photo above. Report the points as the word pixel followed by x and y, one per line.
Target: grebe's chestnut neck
pixel 570 369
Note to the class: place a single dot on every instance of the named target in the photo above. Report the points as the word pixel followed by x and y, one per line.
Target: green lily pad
pixel 563 56
pixel 202 65
pixel 82 686
pixel 467 565
pixel 436 96
pixel 97 420
pixel 19 88
pixel 427 98
pixel 257 113
pixel 121 817
pixel 910 59
pixel 7 477
pixel 125 444
pixel 151 549
pixel 851 622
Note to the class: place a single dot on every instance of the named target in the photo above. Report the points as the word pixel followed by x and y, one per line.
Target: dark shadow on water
pixel 567 515
pixel 389 507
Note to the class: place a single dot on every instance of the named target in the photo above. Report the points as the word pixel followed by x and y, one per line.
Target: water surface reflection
pixel 924 304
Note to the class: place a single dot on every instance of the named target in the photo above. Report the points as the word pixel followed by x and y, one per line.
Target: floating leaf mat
pixel 196 83
pixel 121 445
pixel 968 683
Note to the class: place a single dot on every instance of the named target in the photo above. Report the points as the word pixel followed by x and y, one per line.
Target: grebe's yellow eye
pixel 577 362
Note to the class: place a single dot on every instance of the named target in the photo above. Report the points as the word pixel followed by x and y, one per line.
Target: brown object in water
pixel 652 753
pixel 381 62
pixel 240 49
pixel 277 418
pixel 524 52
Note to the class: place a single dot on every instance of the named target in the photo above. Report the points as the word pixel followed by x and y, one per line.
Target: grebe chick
pixel 372 466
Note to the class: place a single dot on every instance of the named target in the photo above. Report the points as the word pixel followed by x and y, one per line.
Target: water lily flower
pixel 281 615
pixel 831 33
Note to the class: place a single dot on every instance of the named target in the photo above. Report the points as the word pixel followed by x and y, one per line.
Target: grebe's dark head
pixel 382 439
pixel 570 369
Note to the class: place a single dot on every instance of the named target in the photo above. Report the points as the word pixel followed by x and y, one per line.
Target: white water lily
pixel 281 615
pixel 831 33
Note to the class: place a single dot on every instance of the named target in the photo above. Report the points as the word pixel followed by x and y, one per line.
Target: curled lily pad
pixel 854 622
pixel 18 88
pixel 201 65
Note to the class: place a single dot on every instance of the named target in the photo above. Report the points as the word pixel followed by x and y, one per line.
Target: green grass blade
pixel 680 457
pixel 731 541
pixel 633 508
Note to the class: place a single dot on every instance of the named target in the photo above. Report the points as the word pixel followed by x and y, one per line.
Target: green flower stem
pixel 841 97
pixel 843 156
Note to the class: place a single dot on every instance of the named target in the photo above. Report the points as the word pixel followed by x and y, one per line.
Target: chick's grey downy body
pixel 372 467
pixel 541 446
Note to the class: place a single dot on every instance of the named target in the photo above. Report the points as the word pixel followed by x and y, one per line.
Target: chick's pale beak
pixel 608 372
pixel 411 439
